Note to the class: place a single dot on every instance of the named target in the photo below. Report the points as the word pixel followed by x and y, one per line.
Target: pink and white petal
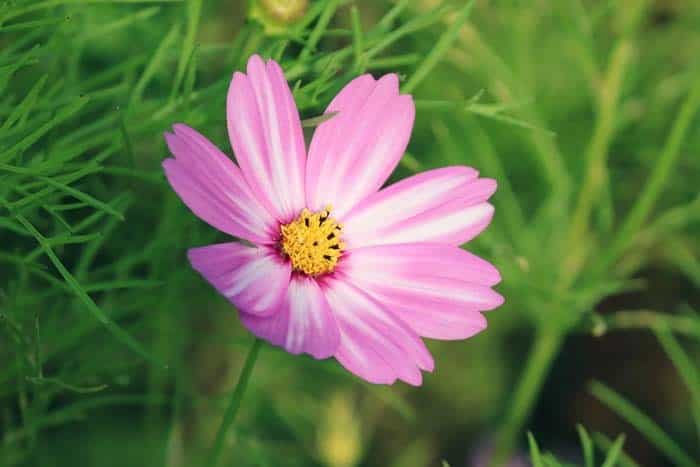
pixel 346 104
pixel 453 223
pixel 445 205
pixel 420 259
pixel 302 323
pixel 212 186
pixel 267 139
pixel 352 154
pixel 374 344
pixel 442 300
pixel 254 279
pixel 430 315
pixel 441 323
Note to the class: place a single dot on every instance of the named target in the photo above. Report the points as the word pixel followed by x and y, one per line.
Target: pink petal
pixel 266 135
pixel 352 154
pixel 254 279
pixel 211 185
pixel 438 290
pixel 445 205
pixel 374 344
pixel 421 259
pixel 303 322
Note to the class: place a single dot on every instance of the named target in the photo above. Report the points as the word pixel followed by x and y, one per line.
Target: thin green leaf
pixel 535 455
pixel 614 452
pixel 643 423
pixel 123 22
pixel 587 446
pixel 659 176
pixel 110 325
pixel 193 10
pixel 67 386
pixel 84 197
pixel 26 105
pixel 234 404
pixel 34 136
pixel 412 26
pixel 440 49
pixel 390 17
pixel 357 39
pixel 605 444
pixel 684 366
pixel 316 121
pixel 321 25
pixel 32 24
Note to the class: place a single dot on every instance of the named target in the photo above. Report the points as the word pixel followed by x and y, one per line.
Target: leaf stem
pixel 600 324
pixel 596 157
pixel 234 404
pixel 660 176
pixel 643 424
pixel 546 346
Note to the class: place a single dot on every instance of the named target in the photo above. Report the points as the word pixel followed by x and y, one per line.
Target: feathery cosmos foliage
pixel 585 112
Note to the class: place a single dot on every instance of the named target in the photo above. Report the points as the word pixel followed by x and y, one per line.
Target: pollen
pixel 312 242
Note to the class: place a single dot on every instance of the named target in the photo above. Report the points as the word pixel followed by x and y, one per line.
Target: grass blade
pixel 658 178
pixel 438 52
pixel 357 39
pixel 321 25
pixel 605 444
pixel 234 404
pixel 194 9
pixel 685 368
pixel 535 455
pixel 643 423
pixel 587 445
pixel 111 326
pixel 614 452
pixel 34 136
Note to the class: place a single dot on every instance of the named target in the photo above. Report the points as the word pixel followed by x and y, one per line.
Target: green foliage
pixel 612 453
pixel 646 426
pixel 585 112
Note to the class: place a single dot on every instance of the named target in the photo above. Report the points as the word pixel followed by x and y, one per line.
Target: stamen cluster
pixel 312 242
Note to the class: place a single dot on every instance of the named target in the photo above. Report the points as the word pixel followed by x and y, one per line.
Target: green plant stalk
pixel 614 452
pixel 119 333
pixel 660 175
pixel 535 454
pixel 596 158
pixel 643 424
pixel 441 47
pixel 596 176
pixel 545 147
pixel 357 40
pixel 234 404
pixel 193 13
pixel 599 325
pixel 684 366
pixel 321 26
pixel 545 349
pixel 605 444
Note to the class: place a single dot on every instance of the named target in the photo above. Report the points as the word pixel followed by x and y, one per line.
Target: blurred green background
pixel 113 352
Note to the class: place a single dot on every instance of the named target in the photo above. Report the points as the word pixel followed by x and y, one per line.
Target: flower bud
pixel 277 15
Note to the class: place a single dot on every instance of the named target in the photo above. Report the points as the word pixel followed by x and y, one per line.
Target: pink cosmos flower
pixel 338 266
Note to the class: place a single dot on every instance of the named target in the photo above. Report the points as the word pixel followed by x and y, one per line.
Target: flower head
pixel 339 267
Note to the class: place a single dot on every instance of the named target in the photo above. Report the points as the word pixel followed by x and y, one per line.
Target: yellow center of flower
pixel 312 242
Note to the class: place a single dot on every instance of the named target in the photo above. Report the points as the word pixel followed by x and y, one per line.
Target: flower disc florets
pixel 312 242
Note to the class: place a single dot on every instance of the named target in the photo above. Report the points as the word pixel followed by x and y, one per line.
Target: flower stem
pixel 660 176
pixel 596 157
pixel 234 404
pixel 542 354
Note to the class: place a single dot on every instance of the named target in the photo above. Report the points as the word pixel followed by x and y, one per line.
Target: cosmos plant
pixel 328 262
